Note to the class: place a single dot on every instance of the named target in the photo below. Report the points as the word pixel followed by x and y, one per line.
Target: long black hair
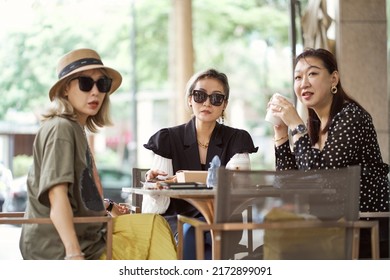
pixel 339 99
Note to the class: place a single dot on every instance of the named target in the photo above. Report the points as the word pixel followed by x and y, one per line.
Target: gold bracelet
pixel 69 257
pixel 281 138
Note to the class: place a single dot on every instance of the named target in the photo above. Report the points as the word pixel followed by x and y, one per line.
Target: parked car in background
pixel 2 198
pixel 16 198
pixel 112 179
pixel 6 179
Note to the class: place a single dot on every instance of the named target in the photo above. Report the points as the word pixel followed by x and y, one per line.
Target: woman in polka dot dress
pixel 339 133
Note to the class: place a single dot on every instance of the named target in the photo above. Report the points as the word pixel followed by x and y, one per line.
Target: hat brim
pixel 111 73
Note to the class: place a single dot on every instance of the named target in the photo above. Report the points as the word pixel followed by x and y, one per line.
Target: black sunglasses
pixel 86 83
pixel 200 96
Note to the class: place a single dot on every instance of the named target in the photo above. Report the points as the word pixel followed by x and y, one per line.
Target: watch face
pixel 301 128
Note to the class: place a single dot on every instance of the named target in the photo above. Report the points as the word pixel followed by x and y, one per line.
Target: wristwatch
pixel 110 205
pixel 301 129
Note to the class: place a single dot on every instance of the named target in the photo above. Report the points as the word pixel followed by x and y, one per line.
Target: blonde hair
pixel 61 107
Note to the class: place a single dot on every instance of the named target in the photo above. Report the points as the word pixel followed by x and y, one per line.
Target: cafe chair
pixel 384 218
pixel 138 176
pixel 289 214
pixel 17 218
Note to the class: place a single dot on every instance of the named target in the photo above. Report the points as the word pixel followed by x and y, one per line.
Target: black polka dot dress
pixel 352 140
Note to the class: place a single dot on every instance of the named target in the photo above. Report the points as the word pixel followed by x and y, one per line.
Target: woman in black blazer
pixel 191 146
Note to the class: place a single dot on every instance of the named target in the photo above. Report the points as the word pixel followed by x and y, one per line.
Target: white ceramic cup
pixel 239 163
pixel 269 117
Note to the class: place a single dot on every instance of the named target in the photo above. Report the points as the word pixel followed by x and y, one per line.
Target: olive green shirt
pixel 61 155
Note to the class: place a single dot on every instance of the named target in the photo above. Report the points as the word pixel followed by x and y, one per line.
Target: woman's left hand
pixel 285 110
pixel 118 210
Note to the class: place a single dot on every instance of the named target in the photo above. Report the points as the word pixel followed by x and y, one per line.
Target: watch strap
pixel 301 128
pixel 110 206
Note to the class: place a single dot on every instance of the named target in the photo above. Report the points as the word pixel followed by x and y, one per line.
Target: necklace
pixel 204 146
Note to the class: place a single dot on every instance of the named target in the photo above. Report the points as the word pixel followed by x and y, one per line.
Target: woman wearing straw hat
pixel 63 181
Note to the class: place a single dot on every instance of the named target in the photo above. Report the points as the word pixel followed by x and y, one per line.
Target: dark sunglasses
pixel 200 96
pixel 86 83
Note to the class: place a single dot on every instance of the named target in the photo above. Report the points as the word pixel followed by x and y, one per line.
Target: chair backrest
pixel 258 196
pixel 138 176
pixel 17 218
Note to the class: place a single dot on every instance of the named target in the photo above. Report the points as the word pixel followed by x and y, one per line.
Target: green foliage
pixel 108 158
pixel 21 165
pixel 238 20
pixel 245 39
pixel 29 55
pixel 152 48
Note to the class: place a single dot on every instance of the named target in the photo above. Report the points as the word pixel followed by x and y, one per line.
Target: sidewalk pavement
pixel 9 242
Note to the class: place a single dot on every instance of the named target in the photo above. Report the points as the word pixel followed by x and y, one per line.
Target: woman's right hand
pixel 154 173
pixel 287 112
pixel 118 210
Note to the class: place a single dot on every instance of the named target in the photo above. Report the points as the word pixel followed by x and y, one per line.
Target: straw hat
pixel 81 60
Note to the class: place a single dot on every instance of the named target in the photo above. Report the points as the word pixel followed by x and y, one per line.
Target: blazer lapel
pixel 215 145
pixel 191 152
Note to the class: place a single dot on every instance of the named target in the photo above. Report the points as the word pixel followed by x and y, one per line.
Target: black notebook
pixel 184 185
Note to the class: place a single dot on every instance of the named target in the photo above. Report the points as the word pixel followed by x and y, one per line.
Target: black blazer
pixel 179 143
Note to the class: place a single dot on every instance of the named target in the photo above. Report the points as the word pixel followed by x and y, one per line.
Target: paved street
pixel 9 242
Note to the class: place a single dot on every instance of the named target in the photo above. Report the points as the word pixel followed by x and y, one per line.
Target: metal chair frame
pixel 217 228
pixel 138 176
pixel 17 218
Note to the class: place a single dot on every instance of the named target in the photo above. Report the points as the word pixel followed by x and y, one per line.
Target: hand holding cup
pixel 270 117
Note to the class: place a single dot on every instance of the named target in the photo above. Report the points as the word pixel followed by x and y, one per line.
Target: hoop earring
pixel 333 90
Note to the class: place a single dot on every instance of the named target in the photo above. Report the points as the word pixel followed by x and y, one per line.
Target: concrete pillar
pixel 361 49
pixel 182 58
